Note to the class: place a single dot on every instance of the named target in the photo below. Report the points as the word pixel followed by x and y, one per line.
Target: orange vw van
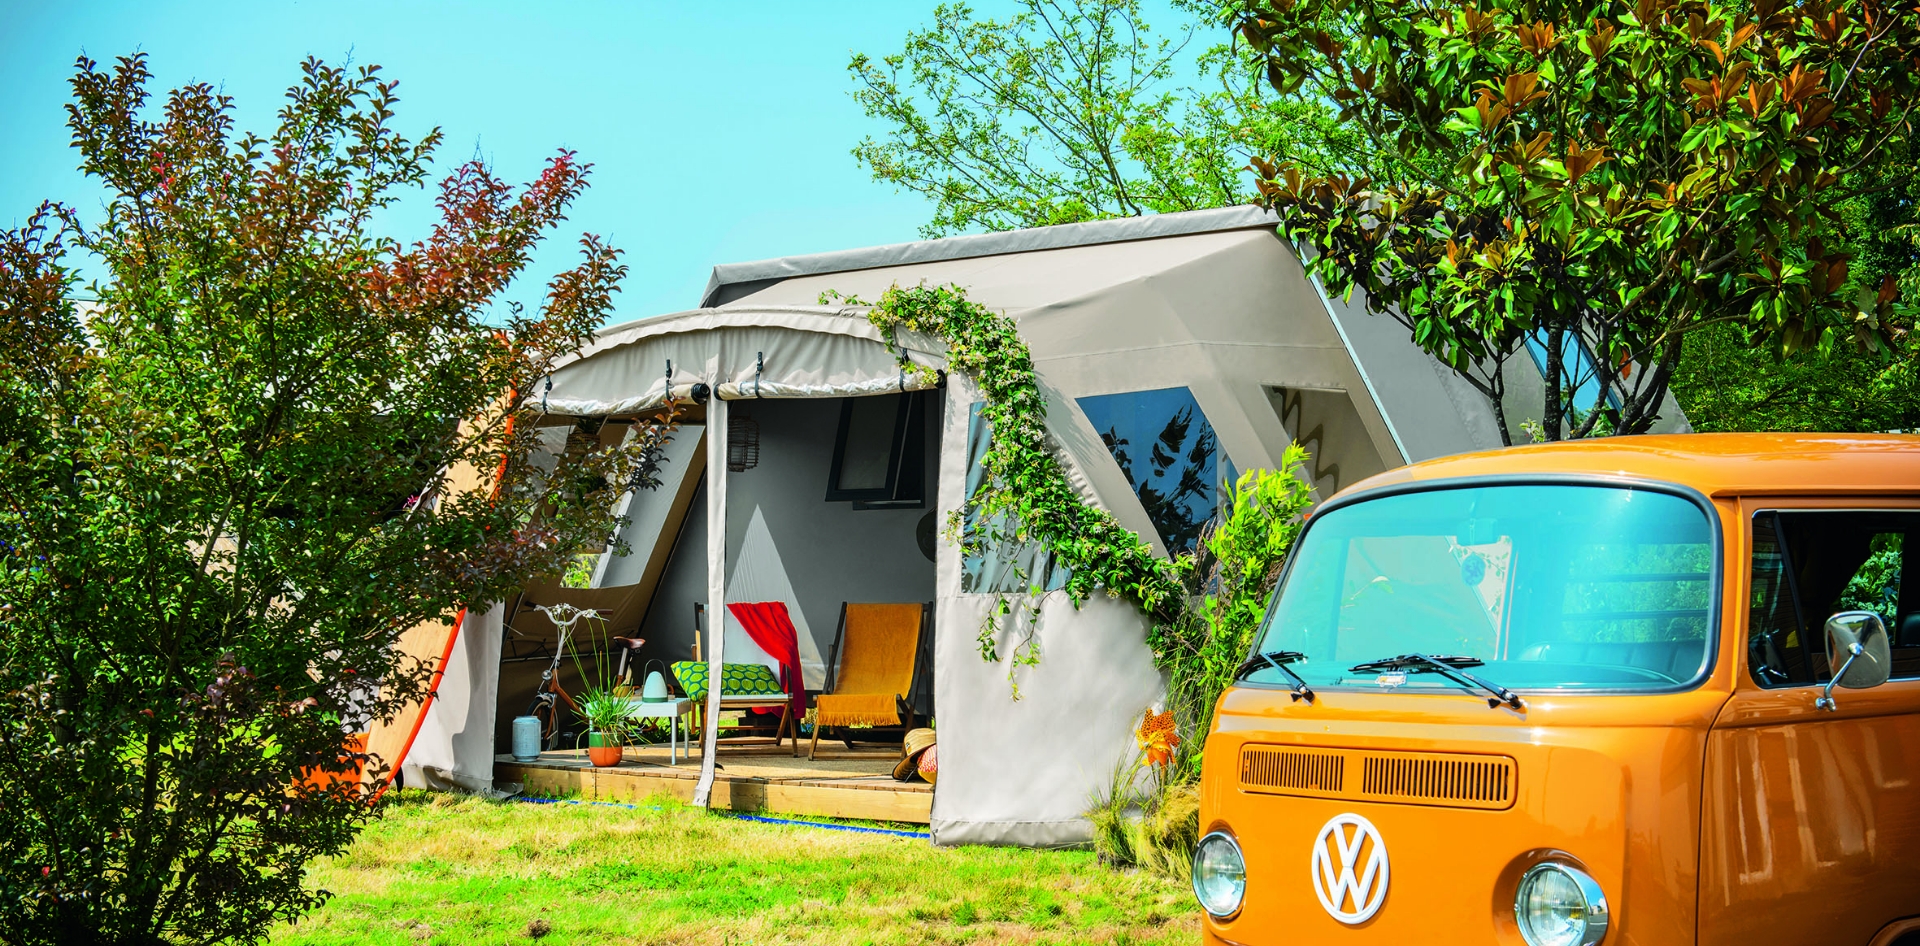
pixel 1642 690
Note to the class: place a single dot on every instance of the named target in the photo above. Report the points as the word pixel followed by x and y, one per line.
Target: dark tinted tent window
pixel 868 446
pixel 879 454
pixel 1167 450
pixel 1808 566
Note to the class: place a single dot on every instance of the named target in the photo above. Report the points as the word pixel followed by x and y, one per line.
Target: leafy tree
pixel 1071 110
pixel 1730 378
pixel 230 483
pixel 1599 178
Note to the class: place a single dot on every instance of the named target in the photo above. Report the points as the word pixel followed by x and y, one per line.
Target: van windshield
pixel 1551 586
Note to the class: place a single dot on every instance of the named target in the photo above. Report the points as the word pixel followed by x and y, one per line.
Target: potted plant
pixel 607 717
pixel 606 701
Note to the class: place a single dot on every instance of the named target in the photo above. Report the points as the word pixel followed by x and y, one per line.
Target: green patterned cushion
pixel 735 679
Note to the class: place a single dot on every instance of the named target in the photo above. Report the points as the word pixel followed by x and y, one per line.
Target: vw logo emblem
pixel 1350 868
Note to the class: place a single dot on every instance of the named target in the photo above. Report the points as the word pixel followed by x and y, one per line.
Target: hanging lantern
pixel 743 440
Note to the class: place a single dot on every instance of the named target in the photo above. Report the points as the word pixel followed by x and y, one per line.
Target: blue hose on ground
pixel 835 827
pixel 859 829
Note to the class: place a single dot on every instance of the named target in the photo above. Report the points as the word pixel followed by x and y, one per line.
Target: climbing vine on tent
pixel 1023 483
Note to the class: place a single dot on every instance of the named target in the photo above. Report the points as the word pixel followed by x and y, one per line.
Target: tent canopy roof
pixel 734 281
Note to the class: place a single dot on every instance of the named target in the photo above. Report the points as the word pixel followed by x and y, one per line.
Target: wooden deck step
pixel 861 788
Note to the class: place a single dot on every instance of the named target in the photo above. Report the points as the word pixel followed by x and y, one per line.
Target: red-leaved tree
pixel 269 443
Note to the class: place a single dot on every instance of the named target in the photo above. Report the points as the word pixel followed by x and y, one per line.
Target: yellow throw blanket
pixel 876 666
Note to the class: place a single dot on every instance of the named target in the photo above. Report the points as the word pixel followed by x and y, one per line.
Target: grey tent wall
pixel 1022 771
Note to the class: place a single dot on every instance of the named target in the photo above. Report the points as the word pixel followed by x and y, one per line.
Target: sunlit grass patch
pixel 454 870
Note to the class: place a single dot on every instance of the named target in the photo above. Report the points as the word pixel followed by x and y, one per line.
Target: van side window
pixel 1808 566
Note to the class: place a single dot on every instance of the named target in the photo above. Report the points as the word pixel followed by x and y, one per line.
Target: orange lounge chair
pixel 871 669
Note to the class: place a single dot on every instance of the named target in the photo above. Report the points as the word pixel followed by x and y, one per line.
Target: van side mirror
pixel 1858 653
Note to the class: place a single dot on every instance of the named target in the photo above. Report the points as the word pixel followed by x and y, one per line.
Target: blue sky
pixel 718 132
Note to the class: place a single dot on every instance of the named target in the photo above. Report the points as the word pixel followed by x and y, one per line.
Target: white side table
pixel 671 710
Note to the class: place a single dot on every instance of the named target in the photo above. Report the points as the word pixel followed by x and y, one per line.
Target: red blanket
pixel 770 627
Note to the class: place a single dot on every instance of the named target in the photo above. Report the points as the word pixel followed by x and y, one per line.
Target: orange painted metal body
pixel 1726 813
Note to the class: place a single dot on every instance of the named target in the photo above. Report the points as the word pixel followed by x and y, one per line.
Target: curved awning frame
pixel 741 353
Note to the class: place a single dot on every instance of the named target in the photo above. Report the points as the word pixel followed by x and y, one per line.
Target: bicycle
pixel 550 694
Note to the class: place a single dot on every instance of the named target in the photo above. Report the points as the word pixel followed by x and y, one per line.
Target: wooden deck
pixel 840 787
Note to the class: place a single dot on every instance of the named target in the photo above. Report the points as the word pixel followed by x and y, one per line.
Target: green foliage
pixel 1150 822
pixel 274 443
pixel 1071 110
pixel 1875 586
pixel 1232 578
pixel 1602 174
pixel 606 713
pixel 604 701
pixel 1730 379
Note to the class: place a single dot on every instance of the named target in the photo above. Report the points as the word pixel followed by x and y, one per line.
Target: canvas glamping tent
pixel 1180 346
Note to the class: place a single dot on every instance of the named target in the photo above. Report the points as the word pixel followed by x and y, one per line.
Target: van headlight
pixel 1560 905
pixel 1219 874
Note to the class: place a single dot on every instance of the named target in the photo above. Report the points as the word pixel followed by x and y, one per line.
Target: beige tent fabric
pixel 454 748
pixel 767 352
pixel 716 595
pixel 1021 771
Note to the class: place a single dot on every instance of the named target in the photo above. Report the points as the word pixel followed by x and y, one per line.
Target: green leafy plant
pixel 271 443
pixel 1595 180
pixel 606 713
pixel 1232 578
pixel 1071 110
pixel 1875 586
pixel 606 700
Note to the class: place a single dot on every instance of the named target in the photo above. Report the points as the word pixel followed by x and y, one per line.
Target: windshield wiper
pixel 1448 666
pixel 1278 660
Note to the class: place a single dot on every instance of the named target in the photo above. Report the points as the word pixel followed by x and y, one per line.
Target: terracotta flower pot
pixel 604 750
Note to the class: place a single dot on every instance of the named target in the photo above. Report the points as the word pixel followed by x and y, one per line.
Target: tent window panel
pixel 995 562
pixel 879 452
pixel 1167 449
pixel 1577 364
pixel 866 442
pixel 1327 424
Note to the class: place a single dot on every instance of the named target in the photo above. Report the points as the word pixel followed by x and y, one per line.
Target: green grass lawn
pixel 458 870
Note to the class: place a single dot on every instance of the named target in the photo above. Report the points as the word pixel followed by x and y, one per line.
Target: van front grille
pixel 1466 781
pixel 1453 780
pixel 1266 767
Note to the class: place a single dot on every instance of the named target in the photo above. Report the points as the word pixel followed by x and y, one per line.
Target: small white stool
pixel 671 710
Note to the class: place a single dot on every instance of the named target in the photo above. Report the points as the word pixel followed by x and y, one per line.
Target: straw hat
pixel 918 741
